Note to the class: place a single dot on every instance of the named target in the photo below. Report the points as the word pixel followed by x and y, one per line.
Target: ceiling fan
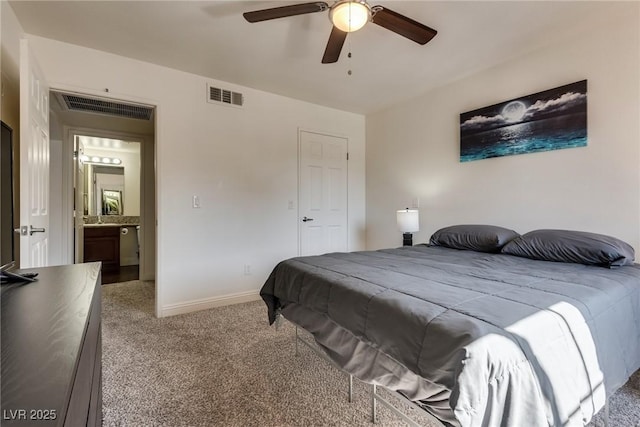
pixel 348 16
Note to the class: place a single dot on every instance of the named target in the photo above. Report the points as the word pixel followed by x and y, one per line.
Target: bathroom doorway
pixel 108 186
pixel 103 157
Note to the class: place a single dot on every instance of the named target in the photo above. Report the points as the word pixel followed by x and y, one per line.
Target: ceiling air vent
pixel 215 95
pixel 105 107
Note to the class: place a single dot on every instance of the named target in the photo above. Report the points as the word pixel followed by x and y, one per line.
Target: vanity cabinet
pixel 102 243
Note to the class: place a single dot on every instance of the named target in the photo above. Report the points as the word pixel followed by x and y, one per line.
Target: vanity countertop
pixel 109 224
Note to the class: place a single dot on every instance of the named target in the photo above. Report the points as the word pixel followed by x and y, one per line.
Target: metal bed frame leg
pixel 374 415
pixel 374 390
pixel 324 357
pixel 606 412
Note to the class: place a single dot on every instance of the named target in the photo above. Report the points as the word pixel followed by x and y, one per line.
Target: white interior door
pixel 34 162
pixel 322 194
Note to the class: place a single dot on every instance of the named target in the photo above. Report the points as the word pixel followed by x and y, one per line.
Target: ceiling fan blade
pixel 284 11
pixel 334 46
pixel 400 24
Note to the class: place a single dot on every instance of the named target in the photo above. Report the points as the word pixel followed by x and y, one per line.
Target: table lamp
pixel 408 222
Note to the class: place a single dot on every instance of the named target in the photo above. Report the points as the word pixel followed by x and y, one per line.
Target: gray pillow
pixel 480 238
pixel 571 246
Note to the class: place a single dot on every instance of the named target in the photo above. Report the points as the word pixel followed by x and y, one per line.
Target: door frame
pixel 69 136
pixel 67 180
pixel 302 130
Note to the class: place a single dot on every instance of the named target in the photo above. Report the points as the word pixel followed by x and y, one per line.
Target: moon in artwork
pixel 514 111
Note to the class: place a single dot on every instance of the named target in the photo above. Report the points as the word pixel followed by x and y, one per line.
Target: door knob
pixel 35 230
pixel 305 219
pixel 24 230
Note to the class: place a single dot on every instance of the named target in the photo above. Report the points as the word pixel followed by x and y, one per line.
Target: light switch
pixel 290 205
pixel 196 201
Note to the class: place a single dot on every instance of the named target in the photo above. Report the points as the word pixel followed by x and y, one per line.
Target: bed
pixel 475 338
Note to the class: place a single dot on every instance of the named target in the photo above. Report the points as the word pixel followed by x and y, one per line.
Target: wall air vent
pixel 105 107
pixel 215 95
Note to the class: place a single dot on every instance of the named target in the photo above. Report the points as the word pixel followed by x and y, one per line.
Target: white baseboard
pixel 207 303
pixel 148 277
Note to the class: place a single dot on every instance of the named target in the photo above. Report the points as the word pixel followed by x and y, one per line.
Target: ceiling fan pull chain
pixel 349 56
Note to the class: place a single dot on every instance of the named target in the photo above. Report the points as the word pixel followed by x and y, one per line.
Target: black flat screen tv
pixel 6 196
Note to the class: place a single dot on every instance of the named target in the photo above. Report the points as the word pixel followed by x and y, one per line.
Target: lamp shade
pixel 349 16
pixel 408 220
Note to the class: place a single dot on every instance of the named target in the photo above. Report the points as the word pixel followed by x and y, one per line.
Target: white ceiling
pixel 212 39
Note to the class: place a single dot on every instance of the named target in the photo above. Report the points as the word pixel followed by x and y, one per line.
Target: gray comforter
pixel 512 341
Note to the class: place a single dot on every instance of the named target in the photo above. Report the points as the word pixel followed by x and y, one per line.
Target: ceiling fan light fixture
pixel 350 15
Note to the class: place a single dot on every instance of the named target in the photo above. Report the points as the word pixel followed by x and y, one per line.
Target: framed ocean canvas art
pixel 550 120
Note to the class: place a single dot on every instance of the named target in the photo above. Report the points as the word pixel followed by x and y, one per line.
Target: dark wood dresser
pixel 52 348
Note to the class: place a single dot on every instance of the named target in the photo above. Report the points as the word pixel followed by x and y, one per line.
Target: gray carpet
pixel 227 367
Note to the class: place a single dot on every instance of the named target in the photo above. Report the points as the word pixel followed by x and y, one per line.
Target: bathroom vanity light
pixel 100 160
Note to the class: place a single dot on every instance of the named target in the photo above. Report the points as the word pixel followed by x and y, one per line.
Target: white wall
pixel 413 148
pixel 241 162
pixel 10 33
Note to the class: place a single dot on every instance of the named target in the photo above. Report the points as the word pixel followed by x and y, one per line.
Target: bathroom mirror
pixel 111 176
